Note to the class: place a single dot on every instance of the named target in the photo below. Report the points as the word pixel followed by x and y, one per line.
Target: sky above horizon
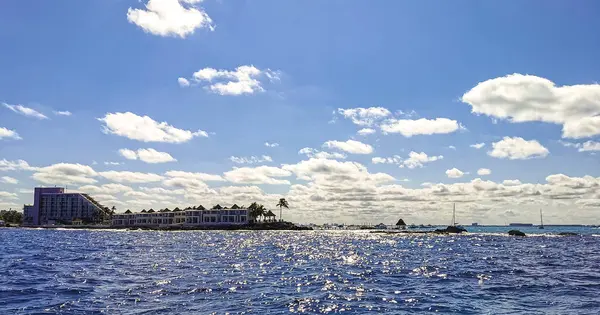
pixel 354 111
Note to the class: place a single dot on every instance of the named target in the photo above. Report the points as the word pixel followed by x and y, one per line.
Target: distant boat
pixel 541 220
pixel 454 218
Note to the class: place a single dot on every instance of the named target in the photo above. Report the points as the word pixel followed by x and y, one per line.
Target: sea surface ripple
pixel 277 272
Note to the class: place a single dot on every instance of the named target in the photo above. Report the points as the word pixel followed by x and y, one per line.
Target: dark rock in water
pixel 451 229
pixel 516 233
pixel 567 234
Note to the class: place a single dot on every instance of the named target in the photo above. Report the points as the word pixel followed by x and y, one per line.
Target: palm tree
pixel 282 204
pixel 254 212
pixel 261 211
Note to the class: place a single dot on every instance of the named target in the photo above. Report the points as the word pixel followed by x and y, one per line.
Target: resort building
pixel 189 218
pixel 52 205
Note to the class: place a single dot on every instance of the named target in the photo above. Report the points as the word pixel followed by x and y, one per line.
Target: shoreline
pixel 276 226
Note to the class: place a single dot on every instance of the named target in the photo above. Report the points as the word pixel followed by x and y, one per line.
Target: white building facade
pixel 182 218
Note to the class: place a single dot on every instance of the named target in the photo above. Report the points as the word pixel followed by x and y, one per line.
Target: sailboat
pixel 453 228
pixel 541 220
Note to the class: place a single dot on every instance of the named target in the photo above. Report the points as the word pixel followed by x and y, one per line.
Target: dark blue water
pixel 269 272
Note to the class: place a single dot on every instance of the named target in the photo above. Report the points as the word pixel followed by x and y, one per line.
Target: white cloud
pixel 149 155
pixel 9 180
pixel 511 182
pixel 310 152
pixel 366 131
pixel 18 165
pixel 62 113
pixel 271 145
pixel 517 148
pixel 170 17
pixel 525 98
pixel 243 80
pixel 7 195
pixel 25 111
pixel 590 146
pixel 478 145
pixel 128 154
pixel 409 127
pixel 250 160
pixel 183 82
pixel 112 163
pixel 452 147
pixel 196 176
pixel 9 134
pixel 454 173
pixel 583 147
pixel 257 175
pixel 130 177
pixel 65 174
pixel 396 159
pixel 146 129
pixel 414 160
pixel 350 146
pixel 365 116
pixel 484 171
pixel 418 159
pixel 108 189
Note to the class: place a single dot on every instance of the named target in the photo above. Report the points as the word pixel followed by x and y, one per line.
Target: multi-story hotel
pixel 51 205
pixel 189 217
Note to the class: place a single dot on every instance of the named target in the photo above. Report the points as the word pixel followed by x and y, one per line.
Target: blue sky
pixel 311 58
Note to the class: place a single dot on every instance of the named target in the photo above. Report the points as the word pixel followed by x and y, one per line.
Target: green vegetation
pixel 11 216
pixel 282 204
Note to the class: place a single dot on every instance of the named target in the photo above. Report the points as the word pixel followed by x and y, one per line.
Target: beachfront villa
pixel 182 218
pixel 52 205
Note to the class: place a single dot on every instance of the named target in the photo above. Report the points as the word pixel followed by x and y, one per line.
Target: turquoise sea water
pixel 311 272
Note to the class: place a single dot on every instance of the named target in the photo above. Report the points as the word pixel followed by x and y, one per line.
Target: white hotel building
pixel 182 218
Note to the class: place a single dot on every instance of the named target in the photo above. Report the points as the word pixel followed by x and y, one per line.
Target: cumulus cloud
pixel 396 159
pixel 516 148
pixel 310 152
pixel 583 147
pixel 250 159
pixel 196 176
pixel 65 174
pixel 107 189
pixel 25 111
pixel 146 129
pixel 130 177
pixel 454 173
pixel 366 131
pixel 350 146
pixel 409 127
pixel 8 134
pixel 478 145
pixel 364 116
pixel 257 175
pixel 418 159
pixel 524 98
pixel 183 82
pixel 484 171
pixel 149 155
pixel 170 17
pixel 271 145
pixel 62 113
pixel 9 180
pixel 243 80
pixel 6 195
pixel 18 165
pixel 451 147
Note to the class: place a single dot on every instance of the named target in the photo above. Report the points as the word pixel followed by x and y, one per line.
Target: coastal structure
pixel 182 218
pixel 520 224
pixel 52 205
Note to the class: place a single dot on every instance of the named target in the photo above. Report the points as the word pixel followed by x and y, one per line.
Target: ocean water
pixel 311 272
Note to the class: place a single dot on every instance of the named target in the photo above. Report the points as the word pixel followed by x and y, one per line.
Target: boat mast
pixel 454 215
pixel 541 219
